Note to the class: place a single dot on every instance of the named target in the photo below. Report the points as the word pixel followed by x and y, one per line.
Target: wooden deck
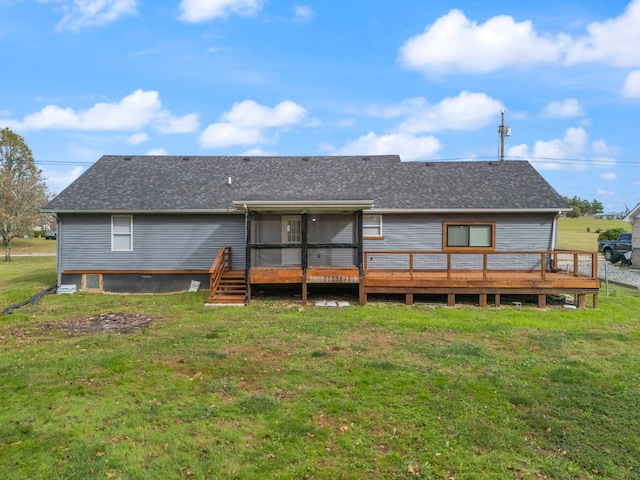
pixel 549 273
pixel 477 282
pixel 464 273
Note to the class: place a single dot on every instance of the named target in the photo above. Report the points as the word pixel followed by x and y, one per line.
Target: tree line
pixel 583 207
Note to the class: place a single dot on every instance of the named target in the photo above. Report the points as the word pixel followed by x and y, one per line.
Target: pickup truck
pixel 611 248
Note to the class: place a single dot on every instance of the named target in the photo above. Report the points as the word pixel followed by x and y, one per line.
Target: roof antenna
pixel 503 131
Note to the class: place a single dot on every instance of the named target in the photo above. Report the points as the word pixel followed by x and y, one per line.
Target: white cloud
pixel 228 134
pixel 252 114
pixel 409 147
pixel 631 87
pixel 134 112
pixel 248 122
pixel 572 152
pixel 569 108
pixel 258 152
pixel 157 152
pixel 194 11
pixel 90 13
pixel 167 123
pixel 467 111
pixel 615 41
pixel 302 13
pixel 455 43
pixel 609 176
pixel 603 192
pixel 138 138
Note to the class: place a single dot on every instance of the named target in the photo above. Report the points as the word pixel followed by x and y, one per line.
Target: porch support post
pixel 359 243
pixel 497 300
pixel 247 255
pixel 304 254
pixel 360 258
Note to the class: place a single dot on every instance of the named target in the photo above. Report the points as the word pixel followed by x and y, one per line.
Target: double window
pixel 469 236
pixel 121 233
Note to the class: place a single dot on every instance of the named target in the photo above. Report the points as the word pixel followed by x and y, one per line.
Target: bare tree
pixel 22 189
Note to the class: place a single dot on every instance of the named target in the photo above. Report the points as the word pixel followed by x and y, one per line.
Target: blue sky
pixel 423 79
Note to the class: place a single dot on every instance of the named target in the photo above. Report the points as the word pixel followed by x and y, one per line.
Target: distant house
pixel 610 215
pixel 154 224
pixel 634 218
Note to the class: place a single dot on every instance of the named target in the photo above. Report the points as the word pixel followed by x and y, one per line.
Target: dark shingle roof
pixel 175 183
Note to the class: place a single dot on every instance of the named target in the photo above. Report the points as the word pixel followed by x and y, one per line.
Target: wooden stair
pixel 232 289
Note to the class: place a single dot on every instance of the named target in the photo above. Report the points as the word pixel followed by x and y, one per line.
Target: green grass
pixel 274 390
pixel 582 233
pixel 33 245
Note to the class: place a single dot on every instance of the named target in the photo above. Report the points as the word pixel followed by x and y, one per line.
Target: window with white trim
pixel 469 235
pixel 372 226
pixel 122 233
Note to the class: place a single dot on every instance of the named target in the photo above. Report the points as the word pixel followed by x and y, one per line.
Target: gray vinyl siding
pixel 424 232
pixel 160 242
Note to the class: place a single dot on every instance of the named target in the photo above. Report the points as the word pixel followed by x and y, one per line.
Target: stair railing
pixel 221 264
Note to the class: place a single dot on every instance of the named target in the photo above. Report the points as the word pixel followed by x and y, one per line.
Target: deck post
pixel 304 289
pixel 543 269
pixel 451 299
pixel 582 300
pixel 409 298
pixel 595 300
pixel 484 269
pixel 362 294
pixel 497 299
pixel 482 299
pixel 576 265
pixel 411 265
pixel 542 301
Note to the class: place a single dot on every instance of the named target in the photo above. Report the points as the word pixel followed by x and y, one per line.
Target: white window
pixel 121 233
pixel 372 226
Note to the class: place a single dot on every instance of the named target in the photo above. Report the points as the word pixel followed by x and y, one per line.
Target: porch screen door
pixel 291 233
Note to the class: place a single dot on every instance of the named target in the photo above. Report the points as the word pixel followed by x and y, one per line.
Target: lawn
pixel 32 245
pixel 275 390
pixel 582 233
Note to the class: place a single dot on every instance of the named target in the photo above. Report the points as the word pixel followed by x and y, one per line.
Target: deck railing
pixel 578 263
pixel 221 264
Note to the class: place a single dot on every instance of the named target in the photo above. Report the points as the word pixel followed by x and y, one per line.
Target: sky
pixel 426 80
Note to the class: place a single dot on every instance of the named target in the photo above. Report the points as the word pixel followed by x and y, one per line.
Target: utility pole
pixel 503 131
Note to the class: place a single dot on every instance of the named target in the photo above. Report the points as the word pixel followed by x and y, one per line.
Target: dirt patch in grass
pixel 104 322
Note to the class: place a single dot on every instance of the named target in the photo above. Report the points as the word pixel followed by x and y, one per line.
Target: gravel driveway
pixel 616 273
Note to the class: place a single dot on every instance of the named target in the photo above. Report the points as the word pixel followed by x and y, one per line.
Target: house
pixel 155 223
pixel 610 216
pixel 633 217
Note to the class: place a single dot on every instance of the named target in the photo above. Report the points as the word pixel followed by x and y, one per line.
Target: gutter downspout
pixel 58 230
pixel 554 231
